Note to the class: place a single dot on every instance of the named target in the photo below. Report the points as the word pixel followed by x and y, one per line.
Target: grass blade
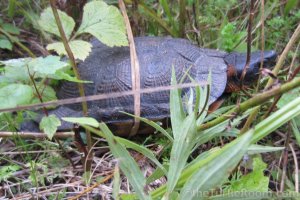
pixel 127 164
pixel 176 108
pixel 277 119
pixel 217 170
pixel 181 150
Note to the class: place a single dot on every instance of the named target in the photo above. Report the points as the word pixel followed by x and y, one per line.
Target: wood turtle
pixel 109 70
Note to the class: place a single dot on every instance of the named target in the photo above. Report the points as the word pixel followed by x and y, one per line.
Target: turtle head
pixel 236 63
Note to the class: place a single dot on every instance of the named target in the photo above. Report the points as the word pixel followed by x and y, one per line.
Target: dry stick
pixel 275 71
pixel 135 71
pixel 253 114
pixel 182 17
pixel 285 159
pixel 103 96
pixel 92 187
pixel 249 40
pixel 75 70
pixel 291 75
pixel 296 168
pixel 250 103
pixel 35 135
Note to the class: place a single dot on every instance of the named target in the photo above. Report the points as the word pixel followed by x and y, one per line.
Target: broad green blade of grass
pixel 157 174
pixel 176 108
pixel 218 130
pixel 127 164
pixel 277 119
pixel 195 166
pixel 203 95
pixel 216 171
pixel 181 149
pixel 255 149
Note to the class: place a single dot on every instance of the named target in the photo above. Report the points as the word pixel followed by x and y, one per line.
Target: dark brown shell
pixel 110 71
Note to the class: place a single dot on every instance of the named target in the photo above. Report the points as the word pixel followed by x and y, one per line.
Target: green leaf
pixel 15 94
pixel 7 171
pixel 254 181
pixel 47 22
pixel 11 29
pixel 49 125
pixel 288 97
pixel 62 75
pixel 296 131
pixel 80 48
pixel 143 150
pixel 255 149
pixel 176 107
pixel 289 6
pixel 153 124
pixel 104 22
pixel 5 44
pixel 16 70
pixel 127 164
pixel 277 119
pixel 181 149
pixel 216 171
pixel 82 120
pixel 47 67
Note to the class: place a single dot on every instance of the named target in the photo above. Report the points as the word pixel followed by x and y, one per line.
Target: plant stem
pixel 154 16
pixel 182 17
pixel 254 101
pixel 75 70
pixel 275 71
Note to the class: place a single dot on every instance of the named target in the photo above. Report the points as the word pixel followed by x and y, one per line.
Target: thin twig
pixel 92 187
pixel 296 168
pixel 103 96
pixel 75 70
pixel 254 101
pixel 249 41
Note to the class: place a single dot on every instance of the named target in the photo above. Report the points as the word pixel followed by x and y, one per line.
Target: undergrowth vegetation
pixel 248 148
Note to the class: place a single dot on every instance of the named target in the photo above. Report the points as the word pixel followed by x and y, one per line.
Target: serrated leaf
pixel 15 94
pixel 48 23
pixel 49 125
pixel 15 69
pixel 80 48
pixel 5 44
pixel 45 67
pixel 48 67
pixel 82 120
pixel 104 22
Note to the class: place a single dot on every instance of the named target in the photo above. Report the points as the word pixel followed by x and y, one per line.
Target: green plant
pixel 7 29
